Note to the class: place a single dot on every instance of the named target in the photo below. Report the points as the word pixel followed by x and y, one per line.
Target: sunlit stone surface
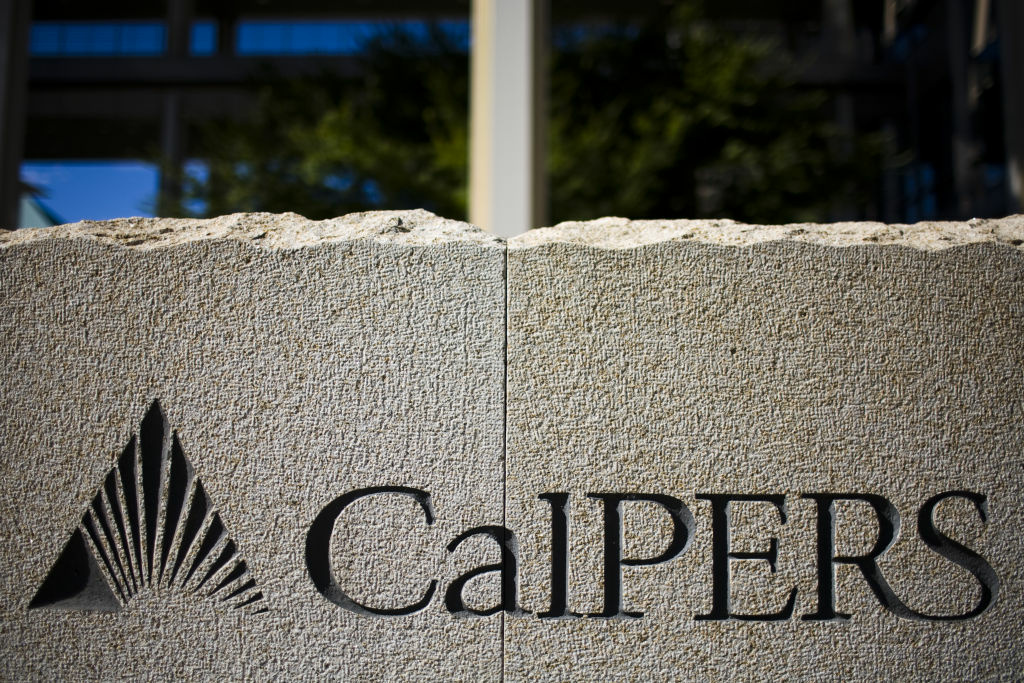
pixel 389 446
pixel 295 362
pixel 696 358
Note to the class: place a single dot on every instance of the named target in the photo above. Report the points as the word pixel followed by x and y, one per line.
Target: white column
pixel 507 115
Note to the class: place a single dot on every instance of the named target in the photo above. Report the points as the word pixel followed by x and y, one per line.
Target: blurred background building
pixel 758 110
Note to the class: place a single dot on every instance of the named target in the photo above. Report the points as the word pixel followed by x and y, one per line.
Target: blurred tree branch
pixel 671 118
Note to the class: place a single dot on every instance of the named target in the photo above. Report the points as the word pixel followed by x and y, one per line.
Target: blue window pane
pixel 45 39
pixel 97 39
pixel 262 38
pixel 929 207
pixel 77 40
pixel 354 37
pixel 458 32
pixel 302 37
pixel 323 37
pixel 332 37
pixel 142 39
pixel 203 40
pixel 103 40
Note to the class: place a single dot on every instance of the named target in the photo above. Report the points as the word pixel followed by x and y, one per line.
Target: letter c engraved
pixel 318 551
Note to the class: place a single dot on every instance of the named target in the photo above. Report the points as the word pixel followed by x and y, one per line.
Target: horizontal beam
pixel 91 139
pixel 852 75
pixel 47 72
pixel 122 104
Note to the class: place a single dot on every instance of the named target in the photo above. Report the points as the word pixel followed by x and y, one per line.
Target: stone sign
pixel 767 452
pixel 391 446
pixel 186 406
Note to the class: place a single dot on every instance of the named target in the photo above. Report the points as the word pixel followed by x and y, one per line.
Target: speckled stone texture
pixel 296 361
pixel 282 363
pixel 687 358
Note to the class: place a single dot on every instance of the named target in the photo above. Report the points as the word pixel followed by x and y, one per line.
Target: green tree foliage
pixel 671 118
pixel 396 137
pixel 680 119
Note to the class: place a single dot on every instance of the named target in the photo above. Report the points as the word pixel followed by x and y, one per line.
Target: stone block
pixel 756 453
pixel 265 447
pixel 186 404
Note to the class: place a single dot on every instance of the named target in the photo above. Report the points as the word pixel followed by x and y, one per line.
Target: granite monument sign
pixel 389 445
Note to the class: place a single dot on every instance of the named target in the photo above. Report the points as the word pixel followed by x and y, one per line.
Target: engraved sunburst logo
pixel 151 525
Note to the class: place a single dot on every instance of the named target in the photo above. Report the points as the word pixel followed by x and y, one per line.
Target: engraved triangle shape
pixel 150 526
pixel 75 582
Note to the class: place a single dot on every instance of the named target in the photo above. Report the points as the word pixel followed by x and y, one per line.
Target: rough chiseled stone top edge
pixel 621 233
pixel 422 228
pixel 265 230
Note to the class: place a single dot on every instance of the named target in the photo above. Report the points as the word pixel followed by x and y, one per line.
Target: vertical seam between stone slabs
pixel 504 434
